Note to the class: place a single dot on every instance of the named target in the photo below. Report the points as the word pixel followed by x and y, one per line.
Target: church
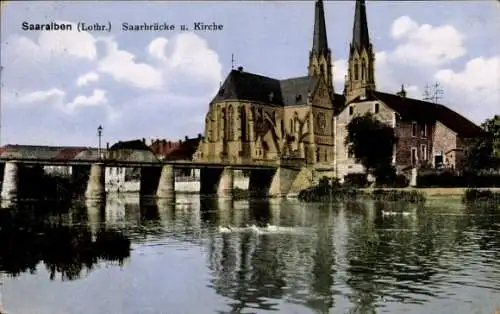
pixel 257 118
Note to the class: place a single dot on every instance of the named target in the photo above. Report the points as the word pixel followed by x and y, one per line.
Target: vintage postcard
pixel 311 156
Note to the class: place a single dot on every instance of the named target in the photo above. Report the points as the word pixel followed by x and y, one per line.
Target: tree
pixel 485 151
pixel 492 126
pixel 371 142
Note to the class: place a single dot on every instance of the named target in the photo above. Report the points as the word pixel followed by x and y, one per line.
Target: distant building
pixel 50 152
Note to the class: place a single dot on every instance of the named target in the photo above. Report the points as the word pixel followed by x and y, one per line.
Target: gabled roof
pixel 49 152
pixel 185 151
pixel 418 110
pixel 134 144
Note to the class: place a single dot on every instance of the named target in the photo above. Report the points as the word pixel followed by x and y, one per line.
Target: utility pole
pixel 1 87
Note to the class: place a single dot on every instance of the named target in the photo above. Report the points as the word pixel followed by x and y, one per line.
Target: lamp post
pixel 99 134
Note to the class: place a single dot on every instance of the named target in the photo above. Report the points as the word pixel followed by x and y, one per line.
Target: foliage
pixel 474 195
pixel 492 126
pixel 371 142
pixel 480 156
pixel 451 179
pixel 397 195
pixel 356 180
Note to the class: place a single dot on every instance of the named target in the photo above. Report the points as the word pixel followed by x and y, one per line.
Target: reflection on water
pixel 253 256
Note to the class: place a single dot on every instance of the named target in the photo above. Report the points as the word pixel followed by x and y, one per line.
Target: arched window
pixel 230 124
pixel 356 71
pixel 243 119
pixel 363 70
pixel 222 126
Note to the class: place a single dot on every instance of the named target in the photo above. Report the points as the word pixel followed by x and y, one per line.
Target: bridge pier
pixel 282 182
pixel 150 177
pixel 96 184
pixel 10 184
pixel 226 183
pixel 272 183
pixel 166 185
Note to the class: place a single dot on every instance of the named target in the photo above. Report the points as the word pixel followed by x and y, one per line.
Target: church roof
pixel 295 90
pixel 240 85
pixel 419 110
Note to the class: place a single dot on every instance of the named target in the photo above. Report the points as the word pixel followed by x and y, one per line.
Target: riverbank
pixel 432 192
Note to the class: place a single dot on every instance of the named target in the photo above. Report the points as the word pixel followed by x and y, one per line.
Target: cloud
pixel 53 45
pixel 426 44
pixel 97 98
pixel 43 96
pixel 475 90
pixel 121 65
pixel 87 78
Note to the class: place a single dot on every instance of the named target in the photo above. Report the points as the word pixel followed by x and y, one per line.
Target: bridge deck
pixel 128 163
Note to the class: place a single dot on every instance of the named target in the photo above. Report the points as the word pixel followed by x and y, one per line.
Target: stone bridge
pixel 267 178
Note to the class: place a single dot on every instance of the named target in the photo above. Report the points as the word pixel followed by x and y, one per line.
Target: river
pixel 220 256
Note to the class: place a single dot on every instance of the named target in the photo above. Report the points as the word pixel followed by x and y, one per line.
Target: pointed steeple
pixel 320 41
pixel 361 69
pixel 320 59
pixel 360 36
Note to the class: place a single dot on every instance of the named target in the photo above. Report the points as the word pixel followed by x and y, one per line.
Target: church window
pixel 291 125
pixel 351 110
pixel 230 124
pixel 363 70
pixel 350 154
pixel 318 151
pixel 356 72
pixel 243 120
pixel 423 150
pixel 414 129
pixel 376 109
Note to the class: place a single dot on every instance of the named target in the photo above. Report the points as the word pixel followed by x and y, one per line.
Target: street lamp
pixel 99 133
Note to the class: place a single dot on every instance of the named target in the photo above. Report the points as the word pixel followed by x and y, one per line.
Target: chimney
pixel 186 138
pixel 107 145
pixel 199 135
pixel 402 93
pixel 240 68
pixel 144 140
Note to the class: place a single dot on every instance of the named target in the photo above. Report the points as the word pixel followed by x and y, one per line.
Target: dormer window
pixel 376 107
pixel 221 92
pixel 351 110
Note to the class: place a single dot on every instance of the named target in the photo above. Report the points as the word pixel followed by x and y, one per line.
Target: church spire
pixel 320 41
pixel 361 69
pixel 320 60
pixel 360 37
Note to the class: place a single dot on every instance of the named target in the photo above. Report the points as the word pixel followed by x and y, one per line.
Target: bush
pixel 449 179
pixel 393 195
pixel 474 195
pixel 356 180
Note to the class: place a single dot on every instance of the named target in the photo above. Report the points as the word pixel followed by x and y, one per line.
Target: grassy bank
pixel 476 195
pixel 326 192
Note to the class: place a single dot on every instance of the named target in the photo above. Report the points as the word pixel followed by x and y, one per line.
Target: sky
pixel 58 87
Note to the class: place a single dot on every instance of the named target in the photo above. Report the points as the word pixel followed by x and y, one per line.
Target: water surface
pixel 219 256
